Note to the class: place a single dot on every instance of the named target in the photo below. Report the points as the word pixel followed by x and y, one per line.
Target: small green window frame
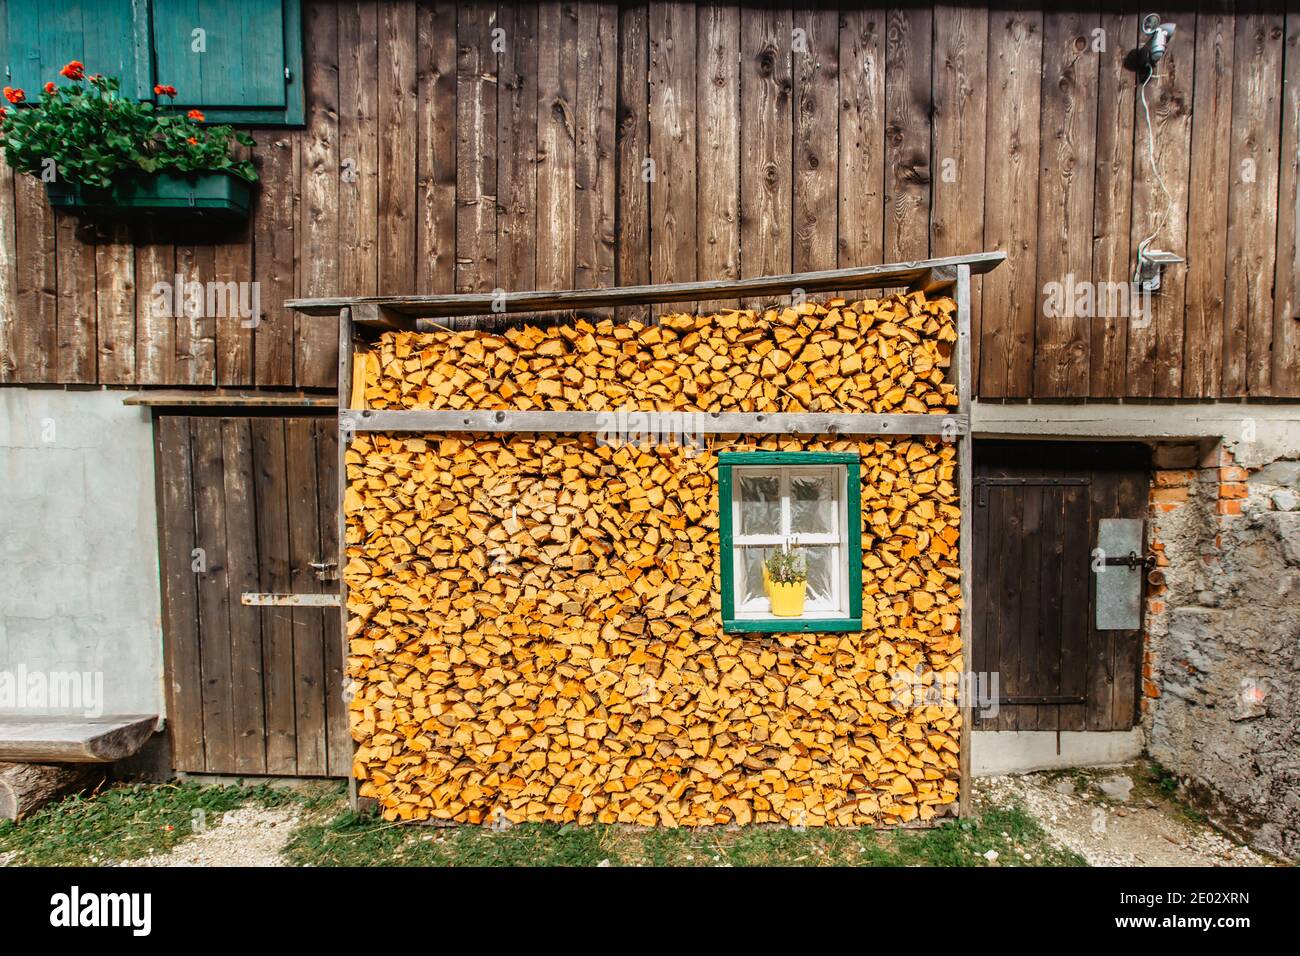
pixel 731 622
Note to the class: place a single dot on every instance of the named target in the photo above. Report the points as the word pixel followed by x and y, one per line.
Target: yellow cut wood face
pixel 535 626
pixel 882 356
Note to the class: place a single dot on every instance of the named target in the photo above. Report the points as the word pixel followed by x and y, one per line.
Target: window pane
pixel 821 572
pixel 812 504
pixel 750 561
pixel 760 503
pixel 249 46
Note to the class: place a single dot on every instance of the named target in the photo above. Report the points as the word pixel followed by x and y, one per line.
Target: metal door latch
pixel 1132 560
pixel 325 570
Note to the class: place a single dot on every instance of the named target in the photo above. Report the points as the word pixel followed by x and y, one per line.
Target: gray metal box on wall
pixel 1118 565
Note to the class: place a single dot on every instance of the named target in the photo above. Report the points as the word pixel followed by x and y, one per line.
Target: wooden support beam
pixel 939 280
pixel 965 559
pixel 225 399
pixel 377 315
pixel 615 423
pixel 892 275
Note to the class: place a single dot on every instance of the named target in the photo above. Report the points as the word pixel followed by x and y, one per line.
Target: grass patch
pixel 130 821
pixel 349 840
pixel 124 822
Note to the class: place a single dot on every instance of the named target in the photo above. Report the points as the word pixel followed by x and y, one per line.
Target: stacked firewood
pixel 535 623
pixel 884 356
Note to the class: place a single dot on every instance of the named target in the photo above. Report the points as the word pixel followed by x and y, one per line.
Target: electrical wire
pixel 1160 179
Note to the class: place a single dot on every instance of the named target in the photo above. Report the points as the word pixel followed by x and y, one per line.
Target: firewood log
pixel 25 787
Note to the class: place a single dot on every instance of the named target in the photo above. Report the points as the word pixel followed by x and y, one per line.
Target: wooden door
pixel 247 504
pixel 1036 509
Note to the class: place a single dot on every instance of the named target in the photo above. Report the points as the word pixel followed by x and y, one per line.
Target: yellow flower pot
pixel 787 599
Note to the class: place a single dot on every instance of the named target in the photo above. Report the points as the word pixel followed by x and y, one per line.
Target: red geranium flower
pixel 3 112
pixel 195 115
pixel 75 70
pixel 192 141
pixel 14 96
pixel 49 87
pixel 161 90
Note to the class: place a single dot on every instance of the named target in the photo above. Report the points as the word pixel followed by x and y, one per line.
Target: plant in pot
pixel 96 149
pixel 787 577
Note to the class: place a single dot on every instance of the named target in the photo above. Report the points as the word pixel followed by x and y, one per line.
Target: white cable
pixel 1155 168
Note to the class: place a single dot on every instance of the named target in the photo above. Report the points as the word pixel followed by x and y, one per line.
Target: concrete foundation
pixel 1255 434
pixel 995 752
pixel 80 626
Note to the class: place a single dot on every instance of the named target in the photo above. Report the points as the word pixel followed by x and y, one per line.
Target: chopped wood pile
pixel 535 626
pixel 882 356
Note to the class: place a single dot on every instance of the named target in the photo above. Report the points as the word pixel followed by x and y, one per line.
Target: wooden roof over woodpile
pixel 389 311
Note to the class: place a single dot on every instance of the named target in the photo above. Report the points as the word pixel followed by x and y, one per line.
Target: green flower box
pixel 214 195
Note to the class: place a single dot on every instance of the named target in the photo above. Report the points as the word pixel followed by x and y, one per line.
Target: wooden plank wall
pixel 470 146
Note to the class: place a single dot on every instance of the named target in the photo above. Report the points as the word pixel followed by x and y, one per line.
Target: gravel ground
pixel 1115 829
pixel 1110 817
pixel 248 836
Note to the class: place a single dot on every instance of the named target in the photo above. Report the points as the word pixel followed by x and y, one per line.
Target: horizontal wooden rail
pixel 926 274
pixel 219 399
pixel 675 422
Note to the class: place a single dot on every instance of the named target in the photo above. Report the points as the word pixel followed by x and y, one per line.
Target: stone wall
pixel 1221 704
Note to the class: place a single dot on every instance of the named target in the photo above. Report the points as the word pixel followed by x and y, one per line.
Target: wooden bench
pixel 39 739
pixel 43 758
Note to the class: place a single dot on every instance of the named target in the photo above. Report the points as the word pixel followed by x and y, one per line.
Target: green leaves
pixel 93 136
pixel 787 567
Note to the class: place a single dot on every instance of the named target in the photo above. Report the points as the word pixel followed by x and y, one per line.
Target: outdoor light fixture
pixel 1161 35
pixel 1152 262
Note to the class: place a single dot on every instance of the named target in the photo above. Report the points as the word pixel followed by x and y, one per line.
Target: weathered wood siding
pixel 247 504
pixel 601 144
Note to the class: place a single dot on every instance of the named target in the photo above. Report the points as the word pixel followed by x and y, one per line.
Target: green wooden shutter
pixel 237 61
pixel 40 36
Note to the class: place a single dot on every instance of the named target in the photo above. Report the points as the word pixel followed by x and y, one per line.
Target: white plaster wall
pixel 79 590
